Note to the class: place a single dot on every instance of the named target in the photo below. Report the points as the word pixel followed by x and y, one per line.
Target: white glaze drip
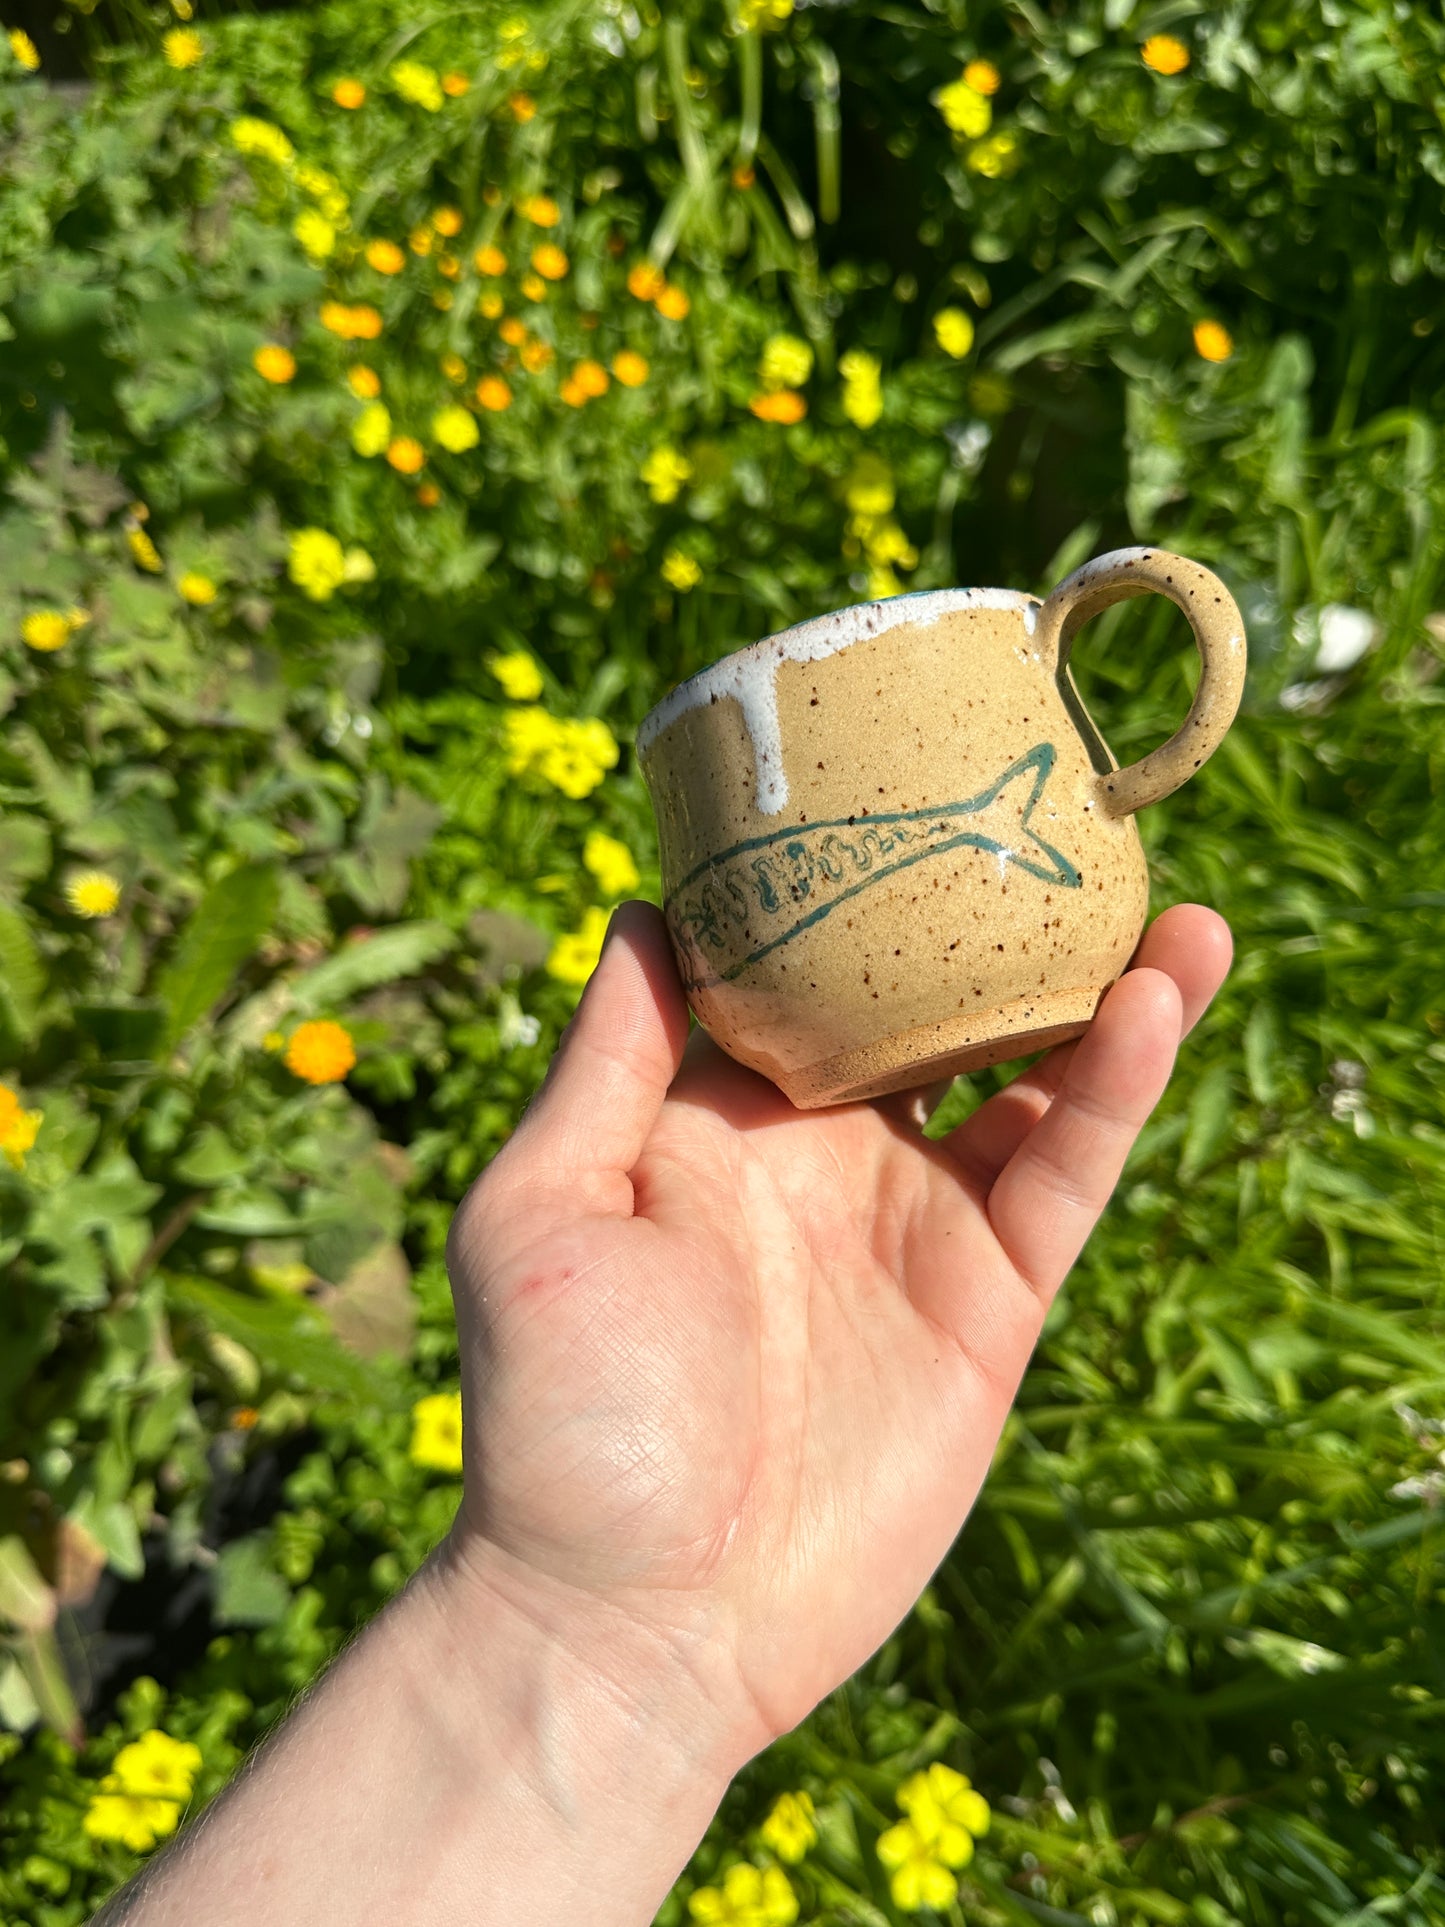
pixel 749 676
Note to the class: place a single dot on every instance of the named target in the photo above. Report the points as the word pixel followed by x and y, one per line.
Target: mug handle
pixel 1218 634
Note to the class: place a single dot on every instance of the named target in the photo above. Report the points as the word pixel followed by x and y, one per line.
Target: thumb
pixel 585 1128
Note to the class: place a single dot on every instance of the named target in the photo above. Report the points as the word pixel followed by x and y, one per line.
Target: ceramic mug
pixel 894 846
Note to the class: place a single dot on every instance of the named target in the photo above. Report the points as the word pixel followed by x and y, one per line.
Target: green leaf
pixel 249 1590
pixel 222 933
pixel 289 1337
pixel 400 951
pixel 22 974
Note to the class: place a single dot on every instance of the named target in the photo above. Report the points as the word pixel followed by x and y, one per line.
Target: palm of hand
pixel 719 1350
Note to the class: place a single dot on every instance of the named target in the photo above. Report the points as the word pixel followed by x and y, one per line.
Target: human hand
pixel 733 1373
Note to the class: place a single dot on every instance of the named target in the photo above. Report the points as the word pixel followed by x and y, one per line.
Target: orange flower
pixel 320 1052
pixel 982 76
pixel 448 267
pixel 743 178
pixel 245 1416
pixel 420 238
pixel 646 282
pixel 549 261
pixel 428 495
pixel 365 323
pixel 448 221
pixel 573 393
pixel 360 323
pixel 348 93
pixel 494 394
pixel 406 454
pixel 674 304
pixel 523 107
pixel 489 305
pixel 1164 54
pixel 513 331
pixel 274 363
pixel 533 287
pixel 784 405
pixel 1213 341
pixel 536 355
pixel 489 260
pixel 455 84
pixel 363 382
pixel 385 256
pixel 630 368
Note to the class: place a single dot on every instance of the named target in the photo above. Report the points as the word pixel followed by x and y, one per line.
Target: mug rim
pixel 852 619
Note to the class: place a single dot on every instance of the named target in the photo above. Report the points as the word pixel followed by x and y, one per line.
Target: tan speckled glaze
pixel 895 847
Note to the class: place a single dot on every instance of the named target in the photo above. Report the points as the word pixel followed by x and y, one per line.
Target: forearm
pixel 482 1753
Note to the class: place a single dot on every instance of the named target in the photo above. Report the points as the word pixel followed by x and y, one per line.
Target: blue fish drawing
pixel 733 908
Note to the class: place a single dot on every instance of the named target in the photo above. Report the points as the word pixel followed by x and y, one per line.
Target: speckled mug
pixel 895 847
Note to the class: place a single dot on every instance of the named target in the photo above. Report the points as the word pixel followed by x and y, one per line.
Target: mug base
pixel 931 1052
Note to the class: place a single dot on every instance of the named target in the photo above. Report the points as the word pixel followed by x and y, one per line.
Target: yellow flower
pixel 513 331
pixel 540 209
pixel 748 1897
pixel 453 367
pixel 591 378
pixel 24 49
pixel 673 304
pixel 317 564
pixel 537 355
pixel 786 362
pixel 869 490
pixel 18 1128
pixel 418 85
pixel 664 472
pixel 753 15
pixel 436 1432
pixel 518 674
pixel 320 1052
pixel 371 431
pixel 315 233
pixel 572 756
pixel 494 394
pixel 357 566
pixel 182 47
pixel 447 221
pixel 490 261
pixel 862 387
pixel 523 107
pixel 573 957
pixel 130 1820
pixel 348 93
pixel 195 588
pixel 681 570
pixel 789 1828
pixel 996 156
pixel 145 552
pixel 965 110
pixel 611 863
pixel 490 304
pixel 455 429
pixel 533 287
pixel 141 1800
pixel 50 629
pixel 262 137
pixel 1164 54
pixel 1213 341
pixel 946 1807
pixel 156 1764
pixel 917 1877
pixel 646 282
pixel 953 330
pixel 784 405
pixel 549 261
pixel 274 363
pixel 363 382
pixel 406 455
pixel 982 76
pixel 455 84
pixel 883 583
pixel 385 256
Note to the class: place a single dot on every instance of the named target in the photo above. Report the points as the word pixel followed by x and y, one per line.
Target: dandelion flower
pixel 263 138
pixel 786 362
pixel 195 588
pixel 316 564
pixel 363 382
pixel 537 355
pixel 385 256
pixel 612 864
pixel 523 108
pixel 183 47
pixel 320 1052
pixel 494 394
pixel 549 261
pixel 540 209
pixel 1213 341
pixel 953 330
pixel 418 85
pixel 681 571
pixel 664 472
pixel 573 957
pixel 982 76
pixel 518 674
pixel 783 405
pixel 406 455
pixel 92 893
pixel 274 363
pixel 371 431
pixel 1164 54
pixel 489 261
pixel 489 304
pixel 513 331
pixel 533 287
pixel 47 630
pixel 24 49
pixel 672 303
pixel 144 552
pixel 19 1128
pixel 455 430
pixel 349 93
pixel 447 221
pixel 436 1432
pixel 789 1828
pixel 591 377
pixel 630 368
pixel 862 387
pixel 964 109
pixel 315 233
pixel 646 282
